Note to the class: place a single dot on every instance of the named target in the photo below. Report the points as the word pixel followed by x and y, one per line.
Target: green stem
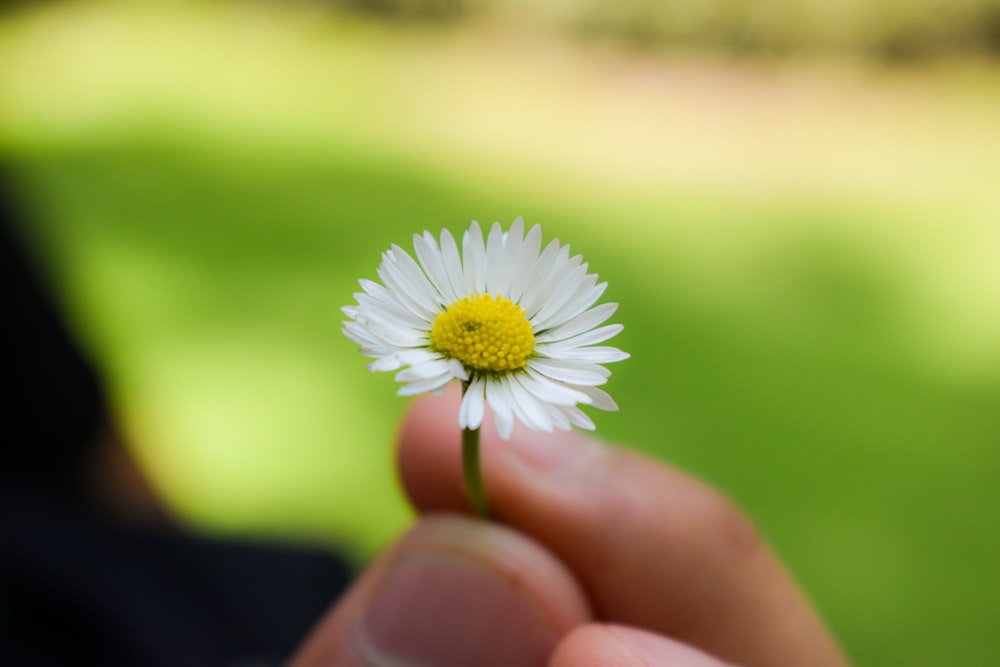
pixel 473 475
pixel 471 470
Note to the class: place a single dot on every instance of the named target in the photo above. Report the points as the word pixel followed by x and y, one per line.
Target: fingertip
pixel 429 453
pixel 596 645
pixel 430 416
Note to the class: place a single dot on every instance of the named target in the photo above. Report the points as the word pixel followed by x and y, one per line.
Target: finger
pixel 453 592
pixel 652 547
pixel 619 646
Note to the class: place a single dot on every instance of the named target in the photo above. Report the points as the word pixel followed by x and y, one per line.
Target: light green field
pixel 806 254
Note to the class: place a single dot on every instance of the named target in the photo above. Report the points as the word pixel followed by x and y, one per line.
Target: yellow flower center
pixel 485 333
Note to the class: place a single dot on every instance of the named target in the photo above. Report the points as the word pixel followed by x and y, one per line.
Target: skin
pixel 597 556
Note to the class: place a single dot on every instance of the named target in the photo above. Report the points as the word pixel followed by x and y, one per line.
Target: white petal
pixel 564 263
pixel 425 385
pixel 532 298
pixel 470 412
pixel 474 260
pixel 512 242
pixel 578 418
pixel 375 293
pixel 586 294
pixel 365 332
pixel 375 350
pixel 565 293
pixel 452 264
pixel 551 391
pixel 417 356
pixel 396 359
pixel 376 300
pixel 497 273
pixel 600 398
pixel 433 265
pixel 527 407
pixel 399 290
pixel 428 369
pixel 542 294
pixel 579 324
pixel 458 370
pixel 385 330
pixel 596 355
pixel 370 309
pixel 424 290
pixel 356 332
pixel 556 416
pixel 592 337
pixel 406 282
pixel 498 396
pixel 526 258
pixel 572 372
pixel 387 363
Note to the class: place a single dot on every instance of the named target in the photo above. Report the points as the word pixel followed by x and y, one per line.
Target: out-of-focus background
pixel 795 202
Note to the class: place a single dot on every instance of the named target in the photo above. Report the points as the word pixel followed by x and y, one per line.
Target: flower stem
pixel 472 473
pixel 470 469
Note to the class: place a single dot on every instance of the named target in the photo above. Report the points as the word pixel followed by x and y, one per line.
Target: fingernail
pixel 445 609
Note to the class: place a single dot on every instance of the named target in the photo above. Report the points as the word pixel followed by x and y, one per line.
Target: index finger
pixel 651 547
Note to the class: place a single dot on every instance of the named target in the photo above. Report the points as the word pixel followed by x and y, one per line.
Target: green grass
pixel 804 253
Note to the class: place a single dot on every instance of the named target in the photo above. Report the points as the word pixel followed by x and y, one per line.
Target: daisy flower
pixel 515 323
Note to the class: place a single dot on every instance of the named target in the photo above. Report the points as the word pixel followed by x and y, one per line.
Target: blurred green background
pixel 795 203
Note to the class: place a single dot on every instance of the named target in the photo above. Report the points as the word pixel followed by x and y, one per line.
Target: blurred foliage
pixel 889 29
pixel 805 253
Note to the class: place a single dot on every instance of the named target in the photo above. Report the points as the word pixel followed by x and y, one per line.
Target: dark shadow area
pixel 93 570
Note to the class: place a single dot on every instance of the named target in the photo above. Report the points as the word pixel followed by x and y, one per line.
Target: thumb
pixel 622 646
pixel 451 592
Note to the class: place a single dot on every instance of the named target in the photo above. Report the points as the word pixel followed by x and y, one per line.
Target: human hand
pixel 600 557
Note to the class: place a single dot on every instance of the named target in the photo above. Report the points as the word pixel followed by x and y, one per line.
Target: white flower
pixel 515 323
